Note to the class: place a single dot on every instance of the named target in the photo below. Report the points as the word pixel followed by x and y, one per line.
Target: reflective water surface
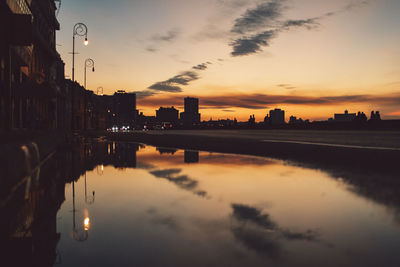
pixel 136 205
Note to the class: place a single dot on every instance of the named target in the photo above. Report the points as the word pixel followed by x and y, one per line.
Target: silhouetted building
pixel 191 113
pixel 360 117
pixel 277 116
pixel 121 109
pixel 295 120
pixel 191 156
pixel 346 116
pixel 167 115
pixel 375 116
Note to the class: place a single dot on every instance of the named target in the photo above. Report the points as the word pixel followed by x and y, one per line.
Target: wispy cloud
pixel 175 83
pixel 264 15
pixel 259 25
pixel 157 39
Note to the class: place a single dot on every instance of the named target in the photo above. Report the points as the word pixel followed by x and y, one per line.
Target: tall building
pixel 167 115
pixel 277 116
pixel 121 109
pixel 346 116
pixel 191 113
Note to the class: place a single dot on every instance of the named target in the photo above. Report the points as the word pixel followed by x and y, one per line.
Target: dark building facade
pixel 30 67
pixel 170 115
pixel 120 108
pixel 277 116
pixel 191 114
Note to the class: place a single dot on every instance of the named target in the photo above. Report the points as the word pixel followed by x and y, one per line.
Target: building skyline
pixel 310 70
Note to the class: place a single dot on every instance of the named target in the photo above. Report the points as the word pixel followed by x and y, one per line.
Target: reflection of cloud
pixel 257 231
pixel 182 181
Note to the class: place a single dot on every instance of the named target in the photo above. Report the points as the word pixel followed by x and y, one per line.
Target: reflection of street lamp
pixel 89 63
pixel 88 199
pixel 76 233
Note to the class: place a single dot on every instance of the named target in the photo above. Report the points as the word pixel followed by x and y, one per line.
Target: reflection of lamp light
pixel 86 223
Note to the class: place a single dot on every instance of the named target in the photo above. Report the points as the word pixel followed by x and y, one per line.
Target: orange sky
pixel 242 57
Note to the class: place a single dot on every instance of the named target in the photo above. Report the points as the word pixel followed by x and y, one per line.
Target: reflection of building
pixel 191 113
pixel 346 116
pixel 277 116
pixel 167 115
pixel 166 150
pixel 191 156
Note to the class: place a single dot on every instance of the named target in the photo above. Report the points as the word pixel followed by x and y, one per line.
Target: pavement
pixel 360 139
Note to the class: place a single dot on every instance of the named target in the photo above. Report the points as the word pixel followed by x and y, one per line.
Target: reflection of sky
pixel 253 215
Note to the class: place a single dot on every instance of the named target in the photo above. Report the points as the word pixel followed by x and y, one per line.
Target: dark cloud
pixel 262 101
pixel 253 44
pixel 165 87
pixel 170 36
pixel 173 84
pixel 182 181
pixel 264 15
pixel 246 213
pixel 257 231
pixel 309 24
pixel 286 86
pixel 144 93
pixel 156 40
pixel 268 15
pixel 201 66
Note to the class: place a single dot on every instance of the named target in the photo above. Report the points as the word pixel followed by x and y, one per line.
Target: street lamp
pixel 80 29
pixel 89 63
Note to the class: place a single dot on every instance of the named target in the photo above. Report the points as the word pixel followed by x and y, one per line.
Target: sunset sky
pixel 241 57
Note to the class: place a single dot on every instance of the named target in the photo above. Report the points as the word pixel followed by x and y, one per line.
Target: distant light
pixel 86 42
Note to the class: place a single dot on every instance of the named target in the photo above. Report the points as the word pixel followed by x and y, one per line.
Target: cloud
pixel 309 24
pixel 262 101
pixel 144 93
pixel 182 181
pixel 257 231
pixel 249 45
pixel 257 26
pixel 201 66
pixel 173 84
pixel 170 36
pixel 286 86
pixel 264 15
pixel 155 40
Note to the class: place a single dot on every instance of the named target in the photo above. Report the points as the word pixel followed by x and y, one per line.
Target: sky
pixel 241 57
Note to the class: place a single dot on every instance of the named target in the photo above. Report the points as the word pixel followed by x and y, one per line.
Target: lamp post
pixel 79 29
pixel 89 63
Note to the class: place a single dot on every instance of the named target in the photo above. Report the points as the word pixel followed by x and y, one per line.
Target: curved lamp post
pixel 89 63
pixel 80 29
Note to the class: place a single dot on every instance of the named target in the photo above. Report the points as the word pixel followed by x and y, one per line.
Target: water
pixel 136 205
